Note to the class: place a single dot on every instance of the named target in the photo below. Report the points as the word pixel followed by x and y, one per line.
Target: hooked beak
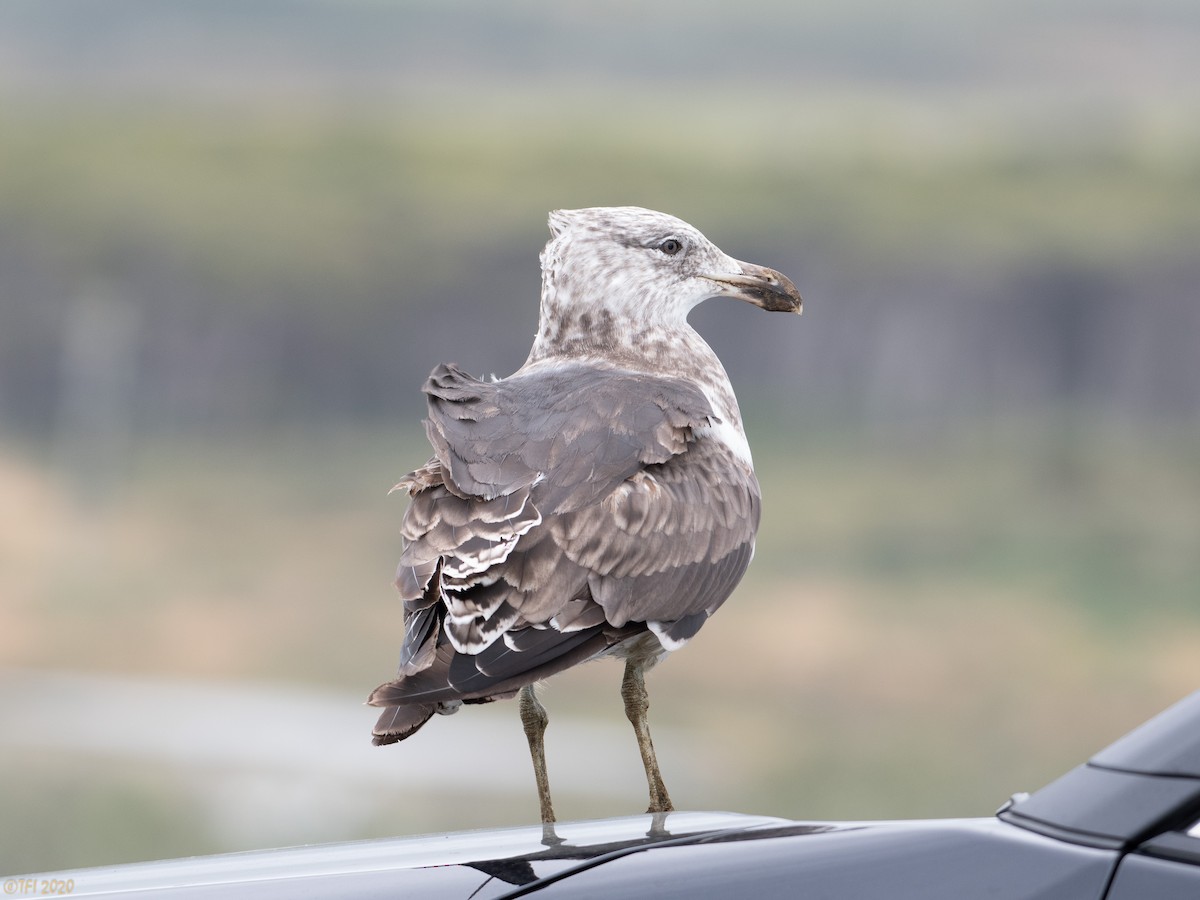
pixel 761 286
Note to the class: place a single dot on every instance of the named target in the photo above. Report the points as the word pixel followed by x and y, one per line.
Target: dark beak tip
pixel 784 298
pixel 765 288
pixel 781 294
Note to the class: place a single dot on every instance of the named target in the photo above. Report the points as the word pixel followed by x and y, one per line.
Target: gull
pixel 599 502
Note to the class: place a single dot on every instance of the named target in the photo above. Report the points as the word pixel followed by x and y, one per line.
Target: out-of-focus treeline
pixel 214 215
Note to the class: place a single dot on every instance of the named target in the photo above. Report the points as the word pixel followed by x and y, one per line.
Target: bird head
pixel 640 264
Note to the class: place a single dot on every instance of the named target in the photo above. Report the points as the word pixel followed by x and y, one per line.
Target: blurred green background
pixel 236 236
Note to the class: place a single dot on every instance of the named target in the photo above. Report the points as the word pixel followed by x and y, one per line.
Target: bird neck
pixel 623 324
pixel 657 348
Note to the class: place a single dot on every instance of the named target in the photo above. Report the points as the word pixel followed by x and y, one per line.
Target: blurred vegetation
pixel 235 237
pixel 282 265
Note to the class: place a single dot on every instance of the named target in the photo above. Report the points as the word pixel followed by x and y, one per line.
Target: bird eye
pixel 670 246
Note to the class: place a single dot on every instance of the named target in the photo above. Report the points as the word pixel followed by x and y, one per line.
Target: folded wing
pixel 563 511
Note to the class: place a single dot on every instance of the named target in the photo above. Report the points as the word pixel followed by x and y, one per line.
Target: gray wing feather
pixel 665 544
pixel 590 426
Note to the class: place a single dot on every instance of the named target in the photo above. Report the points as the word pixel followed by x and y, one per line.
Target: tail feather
pixel 398 722
pixel 497 673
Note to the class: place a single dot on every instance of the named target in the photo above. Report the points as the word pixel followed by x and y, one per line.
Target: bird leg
pixel 534 719
pixel 637 704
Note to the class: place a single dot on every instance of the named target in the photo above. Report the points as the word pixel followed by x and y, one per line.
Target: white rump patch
pixel 668 644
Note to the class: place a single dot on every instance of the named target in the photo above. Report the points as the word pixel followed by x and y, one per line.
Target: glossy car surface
pixel 1123 826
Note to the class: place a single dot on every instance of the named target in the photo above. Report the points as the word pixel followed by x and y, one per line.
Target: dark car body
pixel 1122 826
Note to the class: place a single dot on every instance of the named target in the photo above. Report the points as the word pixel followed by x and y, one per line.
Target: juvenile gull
pixel 600 501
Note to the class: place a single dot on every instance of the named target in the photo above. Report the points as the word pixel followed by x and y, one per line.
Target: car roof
pixel 404 859
pixel 670 855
